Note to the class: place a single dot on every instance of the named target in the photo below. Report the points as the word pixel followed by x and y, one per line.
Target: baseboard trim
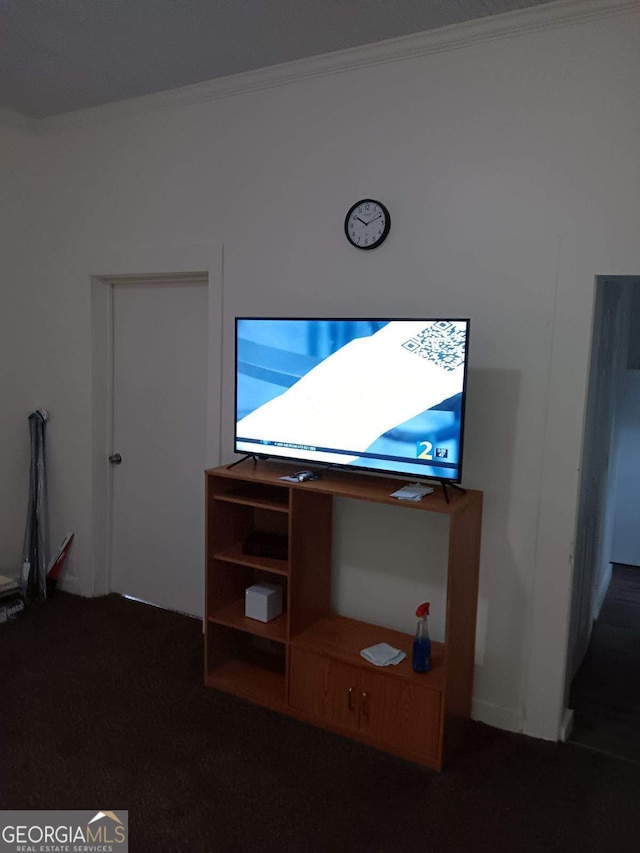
pixel 8 118
pixel 566 726
pixel 71 585
pixel 507 719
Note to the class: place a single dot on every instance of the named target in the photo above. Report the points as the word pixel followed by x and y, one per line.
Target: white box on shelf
pixel 263 601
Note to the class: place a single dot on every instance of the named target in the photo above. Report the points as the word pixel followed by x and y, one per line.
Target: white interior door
pixel 159 431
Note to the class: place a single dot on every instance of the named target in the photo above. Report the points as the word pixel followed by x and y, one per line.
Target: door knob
pixel 115 459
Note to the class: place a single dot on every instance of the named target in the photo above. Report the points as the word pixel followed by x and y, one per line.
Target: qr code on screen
pixel 442 342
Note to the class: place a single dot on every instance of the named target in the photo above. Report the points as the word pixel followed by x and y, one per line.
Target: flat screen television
pixel 381 395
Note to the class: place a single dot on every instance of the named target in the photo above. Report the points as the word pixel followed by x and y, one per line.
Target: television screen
pixel 383 395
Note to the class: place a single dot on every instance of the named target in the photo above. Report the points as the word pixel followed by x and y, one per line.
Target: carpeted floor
pixel 102 706
pixel 605 694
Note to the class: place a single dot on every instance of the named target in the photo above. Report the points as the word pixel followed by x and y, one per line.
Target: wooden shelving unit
pixel 307 662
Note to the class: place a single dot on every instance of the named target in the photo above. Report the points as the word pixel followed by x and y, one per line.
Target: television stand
pixel 445 484
pixel 306 662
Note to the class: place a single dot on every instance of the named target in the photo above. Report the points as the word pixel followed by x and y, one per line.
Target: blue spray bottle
pixel 421 660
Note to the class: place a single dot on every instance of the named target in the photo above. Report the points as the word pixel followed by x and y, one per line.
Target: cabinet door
pixel 324 689
pixel 400 715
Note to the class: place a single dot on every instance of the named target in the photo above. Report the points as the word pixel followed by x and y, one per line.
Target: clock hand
pixel 361 220
pixel 373 220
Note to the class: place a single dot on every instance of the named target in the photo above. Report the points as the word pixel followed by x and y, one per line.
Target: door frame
pixel 151 264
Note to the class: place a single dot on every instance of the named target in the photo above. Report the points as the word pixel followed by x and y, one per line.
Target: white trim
pixel 500 718
pixel 101 395
pixel 139 263
pixel 602 590
pixel 453 37
pixel 71 585
pixel 566 726
pixel 8 118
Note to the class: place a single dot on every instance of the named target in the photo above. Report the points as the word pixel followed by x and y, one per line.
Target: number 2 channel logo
pixel 423 450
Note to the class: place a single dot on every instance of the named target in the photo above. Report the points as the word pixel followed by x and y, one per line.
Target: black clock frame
pixel 385 232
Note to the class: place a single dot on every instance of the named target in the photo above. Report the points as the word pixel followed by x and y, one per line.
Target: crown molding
pixel 454 37
pixel 8 118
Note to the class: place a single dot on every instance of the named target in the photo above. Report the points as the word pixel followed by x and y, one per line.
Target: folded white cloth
pixel 383 654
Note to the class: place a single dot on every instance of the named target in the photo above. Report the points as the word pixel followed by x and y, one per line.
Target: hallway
pixel 605 694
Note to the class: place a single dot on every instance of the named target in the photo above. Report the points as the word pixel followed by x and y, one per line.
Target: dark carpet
pixel 103 706
pixel 605 694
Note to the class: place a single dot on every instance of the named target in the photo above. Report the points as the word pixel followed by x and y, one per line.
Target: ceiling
pixel 57 56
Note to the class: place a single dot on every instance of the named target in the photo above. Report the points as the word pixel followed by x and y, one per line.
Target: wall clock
pixel 367 224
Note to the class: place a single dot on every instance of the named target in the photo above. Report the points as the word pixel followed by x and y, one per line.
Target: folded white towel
pixel 383 654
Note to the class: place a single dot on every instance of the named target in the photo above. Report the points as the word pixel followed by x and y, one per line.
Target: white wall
pixel 511 173
pixel 19 151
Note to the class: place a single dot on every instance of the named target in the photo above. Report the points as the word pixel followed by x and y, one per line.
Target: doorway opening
pixel 603 683
pixel 605 694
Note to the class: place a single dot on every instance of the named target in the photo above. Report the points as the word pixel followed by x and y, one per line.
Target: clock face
pixel 367 224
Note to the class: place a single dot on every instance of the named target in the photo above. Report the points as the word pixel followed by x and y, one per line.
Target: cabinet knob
pixel 365 703
pixel 350 694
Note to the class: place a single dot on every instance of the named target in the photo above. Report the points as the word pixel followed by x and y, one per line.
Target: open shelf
pixel 233 617
pixel 249 680
pixel 235 554
pixel 258 495
pixel 248 664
